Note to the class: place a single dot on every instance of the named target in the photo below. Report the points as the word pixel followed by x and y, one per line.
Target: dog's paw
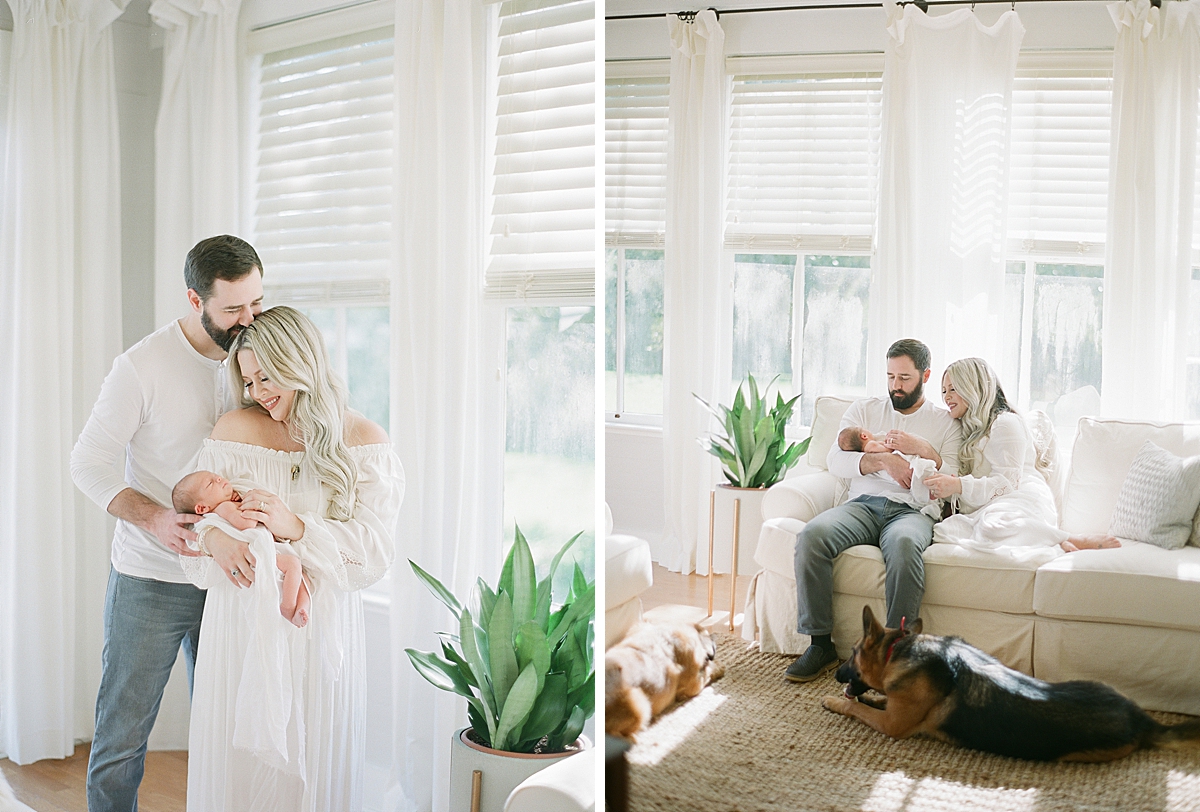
pixel 837 704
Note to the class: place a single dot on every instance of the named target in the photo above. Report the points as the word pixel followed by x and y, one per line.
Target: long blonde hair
pixel 290 350
pixel 976 383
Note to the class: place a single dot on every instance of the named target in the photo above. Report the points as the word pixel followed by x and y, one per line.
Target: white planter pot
pixel 502 771
pixel 749 525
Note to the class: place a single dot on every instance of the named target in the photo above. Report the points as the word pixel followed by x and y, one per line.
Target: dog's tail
pixel 1175 737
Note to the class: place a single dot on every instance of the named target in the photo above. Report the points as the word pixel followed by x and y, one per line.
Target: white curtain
pixel 196 139
pixel 697 285
pixel 939 272
pixel 1156 67
pixel 447 347
pixel 60 324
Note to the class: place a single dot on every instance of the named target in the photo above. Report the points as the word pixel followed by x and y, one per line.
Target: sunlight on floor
pixel 671 730
pixel 1183 792
pixel 896 792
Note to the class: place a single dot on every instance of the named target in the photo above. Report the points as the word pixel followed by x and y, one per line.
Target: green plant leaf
pixel 477 719
pixel 440 673
pixel 453 656
pixel 549 711
pixel 524 594
pixel 505 584
pixel 487 602
pixel 532 647
pixel 470 651
pixel 517 707
pixel 578 582
pixel 546 587
pixel 584 606
pixel 501 655
pixel 435 586
pixel 569 732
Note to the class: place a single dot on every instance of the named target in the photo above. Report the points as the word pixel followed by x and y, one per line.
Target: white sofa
pixel 628 572
pixel 1129 617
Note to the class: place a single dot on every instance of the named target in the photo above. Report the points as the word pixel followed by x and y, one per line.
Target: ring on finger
pixel 234 572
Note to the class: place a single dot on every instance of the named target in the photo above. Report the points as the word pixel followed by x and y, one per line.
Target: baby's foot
pixel 1097 542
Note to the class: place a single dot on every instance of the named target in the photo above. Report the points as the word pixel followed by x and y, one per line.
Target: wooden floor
pixel 670 589
pixel 59 785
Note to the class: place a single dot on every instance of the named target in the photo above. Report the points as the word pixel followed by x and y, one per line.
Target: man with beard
pixel 156 407
pixel 881 509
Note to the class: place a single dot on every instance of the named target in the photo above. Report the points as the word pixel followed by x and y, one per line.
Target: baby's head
pixel 853 438
pixel 200 493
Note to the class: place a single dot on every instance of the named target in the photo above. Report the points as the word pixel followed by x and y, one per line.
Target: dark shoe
pixel 814 662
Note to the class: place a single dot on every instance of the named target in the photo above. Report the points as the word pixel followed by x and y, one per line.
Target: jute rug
pixel 753 741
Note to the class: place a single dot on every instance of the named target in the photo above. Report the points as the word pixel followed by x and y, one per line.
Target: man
pixel 881 509
pixel 156 407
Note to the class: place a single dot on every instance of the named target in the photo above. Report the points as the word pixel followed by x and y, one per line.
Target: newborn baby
pixel 204 492
pixel 856 438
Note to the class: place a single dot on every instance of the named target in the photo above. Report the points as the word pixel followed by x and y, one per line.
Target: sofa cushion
pixel 954 576
pixel 827 417
pixel 1137 583
pixel 627 569
pixel 1103 452
pixel 1158 498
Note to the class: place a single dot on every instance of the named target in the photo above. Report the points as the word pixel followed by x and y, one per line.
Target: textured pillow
pixel 1158 498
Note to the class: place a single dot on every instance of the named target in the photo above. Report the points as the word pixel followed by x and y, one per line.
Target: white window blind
pixel 803 158
pixel 635 157
pixel 323 207
pixel 1058 187
pixel 543 195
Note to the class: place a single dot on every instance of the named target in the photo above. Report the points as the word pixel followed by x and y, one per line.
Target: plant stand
pixel 733 514
pixel 481 778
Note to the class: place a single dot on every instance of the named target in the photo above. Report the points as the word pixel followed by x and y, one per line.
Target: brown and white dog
pixel 656 665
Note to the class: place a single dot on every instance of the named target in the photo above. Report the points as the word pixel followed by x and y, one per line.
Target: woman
pixel 277 712
pixel 1003 500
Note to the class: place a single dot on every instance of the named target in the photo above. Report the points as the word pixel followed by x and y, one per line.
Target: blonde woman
pixel 277 712
pixel 1003 499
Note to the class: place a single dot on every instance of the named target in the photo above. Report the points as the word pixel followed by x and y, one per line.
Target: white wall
pixel 633 458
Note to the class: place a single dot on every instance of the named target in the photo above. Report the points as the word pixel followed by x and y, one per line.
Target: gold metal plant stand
pixel 733 564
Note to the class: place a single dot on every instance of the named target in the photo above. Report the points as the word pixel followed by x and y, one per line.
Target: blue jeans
pixel 900 532
pixel 145 622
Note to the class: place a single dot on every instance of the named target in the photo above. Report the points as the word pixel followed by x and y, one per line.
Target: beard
pixel 902 400
pixel 222 338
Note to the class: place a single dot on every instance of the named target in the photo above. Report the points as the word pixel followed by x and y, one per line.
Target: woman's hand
pixel 270 510
pixel 232 556
pixel 942 485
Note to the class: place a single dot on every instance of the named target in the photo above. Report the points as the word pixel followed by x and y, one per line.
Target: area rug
pixel 753 741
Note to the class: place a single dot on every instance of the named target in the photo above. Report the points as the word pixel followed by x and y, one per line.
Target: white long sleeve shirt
pixel 159 402
pixel 877 416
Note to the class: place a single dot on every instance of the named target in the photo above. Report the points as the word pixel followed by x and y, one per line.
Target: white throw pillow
pixel 1158 499
pixel 827 418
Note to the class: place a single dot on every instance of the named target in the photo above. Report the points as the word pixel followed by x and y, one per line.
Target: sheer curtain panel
pixel 697 295
pixel 196 140
pixel 60 305
pixel 447 401
pixel 1156 67
pixel 939 275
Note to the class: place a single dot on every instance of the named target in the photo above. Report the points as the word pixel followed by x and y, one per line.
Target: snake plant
pixel 524 665
pixel 752 448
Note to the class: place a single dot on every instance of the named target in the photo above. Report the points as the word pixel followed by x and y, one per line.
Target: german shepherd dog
pixel 949 690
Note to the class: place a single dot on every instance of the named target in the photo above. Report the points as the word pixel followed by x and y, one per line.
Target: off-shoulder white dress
pixel 278 716
pixel 1006 504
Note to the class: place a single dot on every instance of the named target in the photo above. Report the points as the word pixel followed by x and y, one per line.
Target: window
pixel 635 193
pixel 541 268
pixel 804 150
pixel 1058 204
pixel 323 198
pixel 550 449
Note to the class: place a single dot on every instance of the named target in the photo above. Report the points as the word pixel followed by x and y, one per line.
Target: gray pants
pixel 901 533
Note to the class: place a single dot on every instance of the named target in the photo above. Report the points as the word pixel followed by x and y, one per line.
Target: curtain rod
pixel 921 4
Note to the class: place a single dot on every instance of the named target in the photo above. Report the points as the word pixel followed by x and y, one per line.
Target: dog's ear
pixel 870 624
pixel 914 627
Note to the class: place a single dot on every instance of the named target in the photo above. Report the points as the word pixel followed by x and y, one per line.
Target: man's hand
pixel 893 464
pixel 232 556
pixel 170 528
pixel 167 525
pixel 906 443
